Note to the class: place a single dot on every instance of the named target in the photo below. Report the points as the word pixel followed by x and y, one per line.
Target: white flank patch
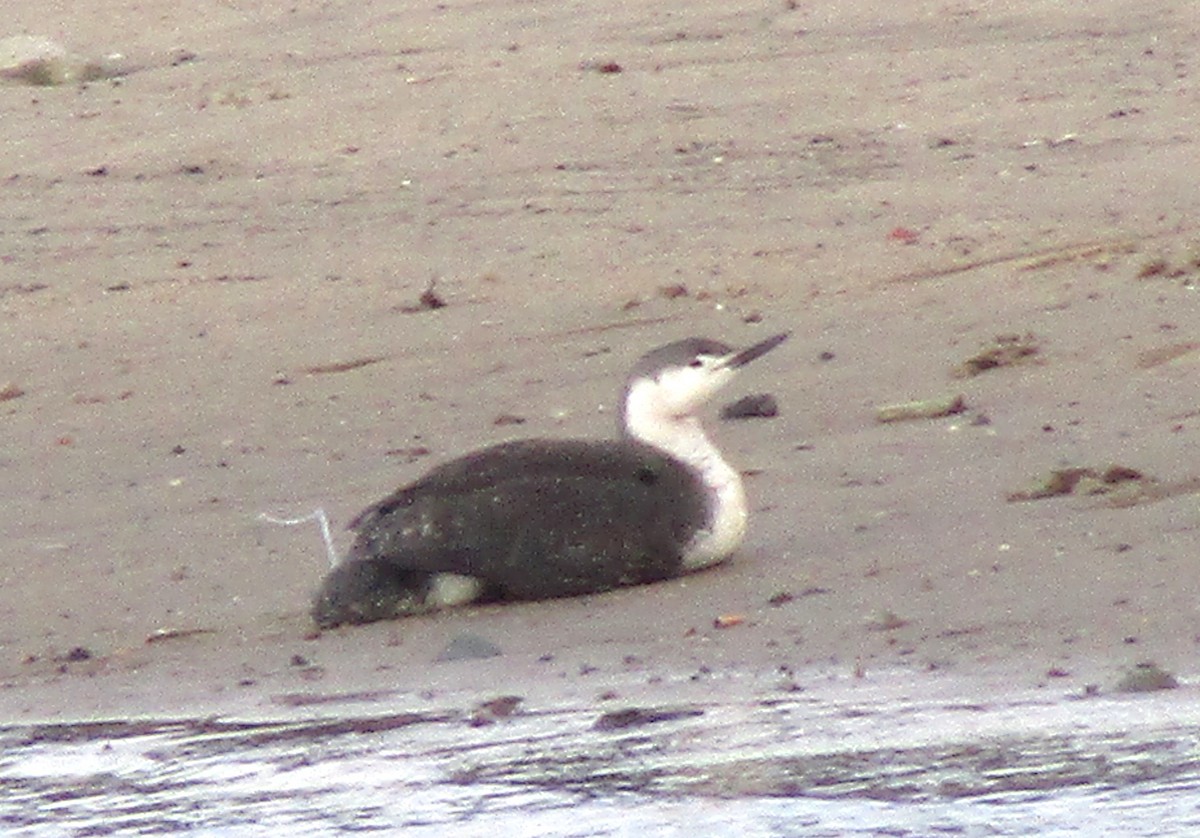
pixel 447 590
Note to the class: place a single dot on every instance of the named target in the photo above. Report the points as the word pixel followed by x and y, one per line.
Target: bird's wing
pixel 528 458
pixel 542 518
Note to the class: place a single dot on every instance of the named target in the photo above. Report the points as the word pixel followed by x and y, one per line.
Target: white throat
pixel 683 438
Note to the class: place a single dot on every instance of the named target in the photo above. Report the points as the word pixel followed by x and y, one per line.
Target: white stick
pixel 321 518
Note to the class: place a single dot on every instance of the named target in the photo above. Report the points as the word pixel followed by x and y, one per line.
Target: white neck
pixel 683 438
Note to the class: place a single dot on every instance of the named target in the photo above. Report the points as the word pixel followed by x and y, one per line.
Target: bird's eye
pixel 696 362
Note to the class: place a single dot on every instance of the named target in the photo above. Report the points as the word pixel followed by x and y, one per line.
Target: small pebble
pixel 1146 677
pixel 467 647
pixel 762 405
pixel 885 621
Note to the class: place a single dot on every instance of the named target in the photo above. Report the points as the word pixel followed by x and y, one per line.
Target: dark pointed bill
pixel 757 351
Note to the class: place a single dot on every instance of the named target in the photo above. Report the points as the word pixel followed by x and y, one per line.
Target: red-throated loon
pixel 544 518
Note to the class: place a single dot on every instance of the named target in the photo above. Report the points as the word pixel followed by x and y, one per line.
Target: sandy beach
pixel 216 269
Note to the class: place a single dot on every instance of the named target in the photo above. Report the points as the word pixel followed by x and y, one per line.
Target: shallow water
pixel 856 762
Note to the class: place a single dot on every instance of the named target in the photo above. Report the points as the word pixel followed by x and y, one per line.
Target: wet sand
pixel 211 280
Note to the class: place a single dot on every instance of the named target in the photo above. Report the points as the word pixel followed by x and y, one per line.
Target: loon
pixel 545 518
